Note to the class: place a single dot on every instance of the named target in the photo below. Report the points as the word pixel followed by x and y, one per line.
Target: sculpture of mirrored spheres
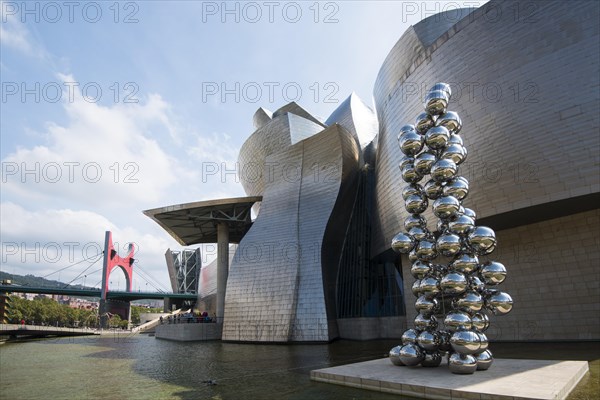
pixel 455 292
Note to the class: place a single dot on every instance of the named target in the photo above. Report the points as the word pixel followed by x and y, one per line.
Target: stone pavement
pixel 506 379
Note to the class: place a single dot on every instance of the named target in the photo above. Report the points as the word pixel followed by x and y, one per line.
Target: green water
pixel 143 367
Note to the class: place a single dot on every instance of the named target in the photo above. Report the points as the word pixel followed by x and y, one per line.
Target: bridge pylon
pixel 111 261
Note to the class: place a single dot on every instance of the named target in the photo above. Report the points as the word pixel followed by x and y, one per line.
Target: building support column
pixel 222 267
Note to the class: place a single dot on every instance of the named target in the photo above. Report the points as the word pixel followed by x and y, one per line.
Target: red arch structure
pixel 112 260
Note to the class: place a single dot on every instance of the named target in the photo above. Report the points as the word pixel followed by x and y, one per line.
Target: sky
pixel 111 108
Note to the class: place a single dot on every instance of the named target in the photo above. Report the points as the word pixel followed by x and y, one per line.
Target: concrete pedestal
pixel 506 379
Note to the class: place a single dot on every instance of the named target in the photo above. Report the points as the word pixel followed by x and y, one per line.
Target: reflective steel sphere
pixel 480 321
pixel 411 142
pixel 499 303
pixel 423 122
pixel 454 151
pixel 419 233
pixel 432 360
pixel 412 256
pixel 430 341
pixel 457 320
pixel 406 128
pixel 433 189
pixel 444 87
pixel 411 354
pixel 416 290
pixel 484 360
pixel 416 204
pixel 493 273
pixel 426 306
pixel 436 102
pixel 444 170
pixel 450 120
pixel 470 302
pixel 395 356
pixel 423 323
pixel 446 207
pixel 482 240
pixel 403 243
pixel 410 336
pixel 461 224
pixel 424 161
pixel 425 250
pixel 410 174
pixel 448 244
pixel 455 139
pixel 414 220
pixel 470 213
pixel 462 364
pixel 419 269
pixel 454 283
pixel 457 187
pixel 437 137
pixel 430 286
pixel 483 340
pixel 413 189
pixel 405 160
pixel 465 342
pixel 465 263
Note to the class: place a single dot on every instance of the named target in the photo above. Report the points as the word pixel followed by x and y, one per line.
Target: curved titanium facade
pixel 288 125
pixel 526 88
pixel 278 280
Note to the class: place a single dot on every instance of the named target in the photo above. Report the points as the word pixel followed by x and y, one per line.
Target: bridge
pixel 111 302
pixel 113 295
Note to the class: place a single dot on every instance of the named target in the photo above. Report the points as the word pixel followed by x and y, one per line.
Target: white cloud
pixel 14 34
pixel 42 242
pixel 104 156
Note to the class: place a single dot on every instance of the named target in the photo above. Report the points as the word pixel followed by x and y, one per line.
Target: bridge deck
pixel 116 295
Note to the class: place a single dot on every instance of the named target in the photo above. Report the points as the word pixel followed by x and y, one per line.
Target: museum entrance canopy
pixel 197 222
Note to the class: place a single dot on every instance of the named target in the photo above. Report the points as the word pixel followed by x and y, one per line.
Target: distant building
pixel 184 267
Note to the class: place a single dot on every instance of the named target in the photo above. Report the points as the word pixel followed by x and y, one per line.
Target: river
pixel 143 367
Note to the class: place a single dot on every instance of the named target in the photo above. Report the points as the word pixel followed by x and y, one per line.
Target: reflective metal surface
pixel 432 359
pixel 411 354
pixel 457 320
pixel 465 342
pixel 437 137
pixel 403 243
pixel 465 263
pixel 462 364
pixel 448 244
pixel 484 360
pixel 482 240
pixel 493 273
pixel 454 290
pixel 451 121
pixel 430 341
pixel 419 269
pixel 395 356
pixel 426 305
pixel 446 207
pixel 454 283
pixel 410 336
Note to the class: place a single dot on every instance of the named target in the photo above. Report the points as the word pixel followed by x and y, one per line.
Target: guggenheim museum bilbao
pixel 315 263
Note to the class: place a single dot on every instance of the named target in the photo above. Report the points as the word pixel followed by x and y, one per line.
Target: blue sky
pixel 116 107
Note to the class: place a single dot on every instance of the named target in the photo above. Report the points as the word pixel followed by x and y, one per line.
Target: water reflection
pixel 143 367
